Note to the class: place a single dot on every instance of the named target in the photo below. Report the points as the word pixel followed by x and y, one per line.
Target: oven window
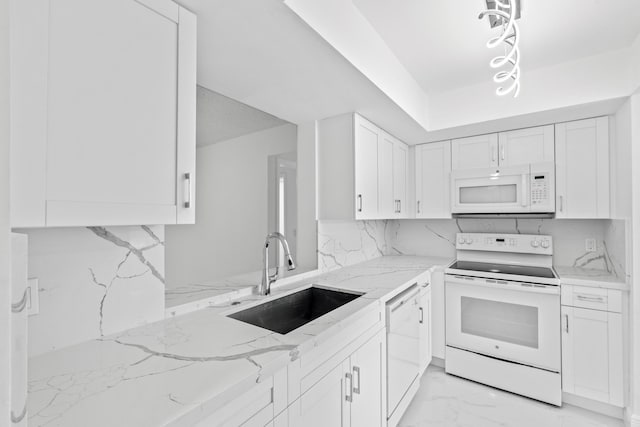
pixel 507 193
pixel 506 322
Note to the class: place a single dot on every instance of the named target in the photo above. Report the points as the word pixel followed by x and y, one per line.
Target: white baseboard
pixel 593 405
pixel 631 420
pixel 436 361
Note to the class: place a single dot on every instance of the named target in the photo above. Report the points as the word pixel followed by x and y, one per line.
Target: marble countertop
pixel 158 374
pixel 590 277
pixel 187 298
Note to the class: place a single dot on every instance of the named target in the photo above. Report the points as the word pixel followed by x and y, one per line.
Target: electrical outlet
pixel 33 297
pixel 590 245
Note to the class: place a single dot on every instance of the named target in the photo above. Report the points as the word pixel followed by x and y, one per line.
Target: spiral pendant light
pixel 504 14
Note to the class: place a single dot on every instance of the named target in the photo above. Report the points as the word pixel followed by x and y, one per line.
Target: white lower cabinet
pixel 592 348
pixel 349 395
pixel 425 327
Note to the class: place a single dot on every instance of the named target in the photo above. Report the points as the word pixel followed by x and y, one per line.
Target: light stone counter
pixel 158 374
pixel 590 277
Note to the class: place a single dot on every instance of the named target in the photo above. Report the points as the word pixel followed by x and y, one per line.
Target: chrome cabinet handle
pixel 502 153
pixel 561 204
pixel 588 298
pixel 399 206
pixel 359 202
pixel 348 389
pixel 566 323
pixel 356 388
pixel 418 206
pixel 187 177
pixel 421 315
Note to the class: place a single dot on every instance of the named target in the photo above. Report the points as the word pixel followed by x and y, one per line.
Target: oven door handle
pixel 505 285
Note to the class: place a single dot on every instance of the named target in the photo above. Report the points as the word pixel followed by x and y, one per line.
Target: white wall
pixel 634 259
pixel 307 237
pixel 5 250
pixel 231 212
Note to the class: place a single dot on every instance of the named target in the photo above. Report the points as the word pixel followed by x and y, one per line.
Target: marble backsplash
pixel 93 282
pixel 342 243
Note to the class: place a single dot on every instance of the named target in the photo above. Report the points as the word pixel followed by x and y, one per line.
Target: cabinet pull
pixel 359 202
pixel 399 206
pixel 187 177
pixel 588 298
pixel 566 323
pixel 561 204
pixel 348 393
pixel 421 315
pixel 502 153
pixel 418 206
pixel 356 388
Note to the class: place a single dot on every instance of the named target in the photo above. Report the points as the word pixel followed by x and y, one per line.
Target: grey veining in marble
pixel 19 330
pixel 447 401
pixel 94 282
pixel 344 243
pixel 197 361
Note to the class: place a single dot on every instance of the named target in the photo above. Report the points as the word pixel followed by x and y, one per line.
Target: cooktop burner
pixel 520 270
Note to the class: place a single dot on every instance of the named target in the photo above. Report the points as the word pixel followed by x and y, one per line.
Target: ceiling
pixel 442 43
pixel 221 118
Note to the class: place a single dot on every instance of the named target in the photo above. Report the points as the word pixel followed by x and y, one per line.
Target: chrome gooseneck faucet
pixel 267 279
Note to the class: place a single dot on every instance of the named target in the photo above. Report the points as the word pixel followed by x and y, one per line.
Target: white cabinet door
pixel 475 152
pixel 386 151
pixel 582 169
pixel 433 186
pixel 437 314
pixel 592 354
pixel 119 110
pixel 367 374
pixel 523 146
pixel 400 178
pixel 367 139
pixel 425 329
pixel 325 404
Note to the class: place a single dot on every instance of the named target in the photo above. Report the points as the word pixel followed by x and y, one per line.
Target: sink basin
pixel 289 312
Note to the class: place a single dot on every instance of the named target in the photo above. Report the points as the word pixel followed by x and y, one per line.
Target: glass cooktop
pixel 520 270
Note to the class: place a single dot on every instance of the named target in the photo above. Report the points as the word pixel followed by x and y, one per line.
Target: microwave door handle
pixel 525 191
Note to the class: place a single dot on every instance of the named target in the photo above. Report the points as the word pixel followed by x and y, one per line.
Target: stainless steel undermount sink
pixel 284 314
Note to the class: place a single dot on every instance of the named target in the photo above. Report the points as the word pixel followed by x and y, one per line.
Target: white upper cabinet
pixel 387 206
pixel 400 178
pixel 362 170
pixel 582 169
pixel 433 167
pixel 112 141
pixel 475 152
pixel 516 147
pixel 368 143
pixel 522 146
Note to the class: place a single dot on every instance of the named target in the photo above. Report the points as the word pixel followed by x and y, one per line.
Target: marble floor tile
pixel 448 401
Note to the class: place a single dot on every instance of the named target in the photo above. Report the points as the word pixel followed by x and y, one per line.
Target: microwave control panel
pixel 539 189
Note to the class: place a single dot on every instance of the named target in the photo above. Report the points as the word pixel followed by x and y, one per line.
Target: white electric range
pixel 503 314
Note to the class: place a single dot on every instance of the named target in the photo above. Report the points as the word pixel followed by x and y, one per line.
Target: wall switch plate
pixel 590 245
pixel 33 297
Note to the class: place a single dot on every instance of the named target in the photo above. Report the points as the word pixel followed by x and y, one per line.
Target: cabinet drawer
pixel 593 298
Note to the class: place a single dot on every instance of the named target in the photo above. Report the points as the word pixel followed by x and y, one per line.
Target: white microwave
pixel 523 189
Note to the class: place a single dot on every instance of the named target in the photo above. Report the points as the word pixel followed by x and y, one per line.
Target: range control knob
pixel 535 243
pixel 461 239
pixel 545 244
pixel 468 240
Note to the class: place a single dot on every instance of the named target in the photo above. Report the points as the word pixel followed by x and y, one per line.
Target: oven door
pixel 495 190
pixel 514 321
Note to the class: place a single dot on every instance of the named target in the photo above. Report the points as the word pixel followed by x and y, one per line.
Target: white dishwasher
pixel 403 351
